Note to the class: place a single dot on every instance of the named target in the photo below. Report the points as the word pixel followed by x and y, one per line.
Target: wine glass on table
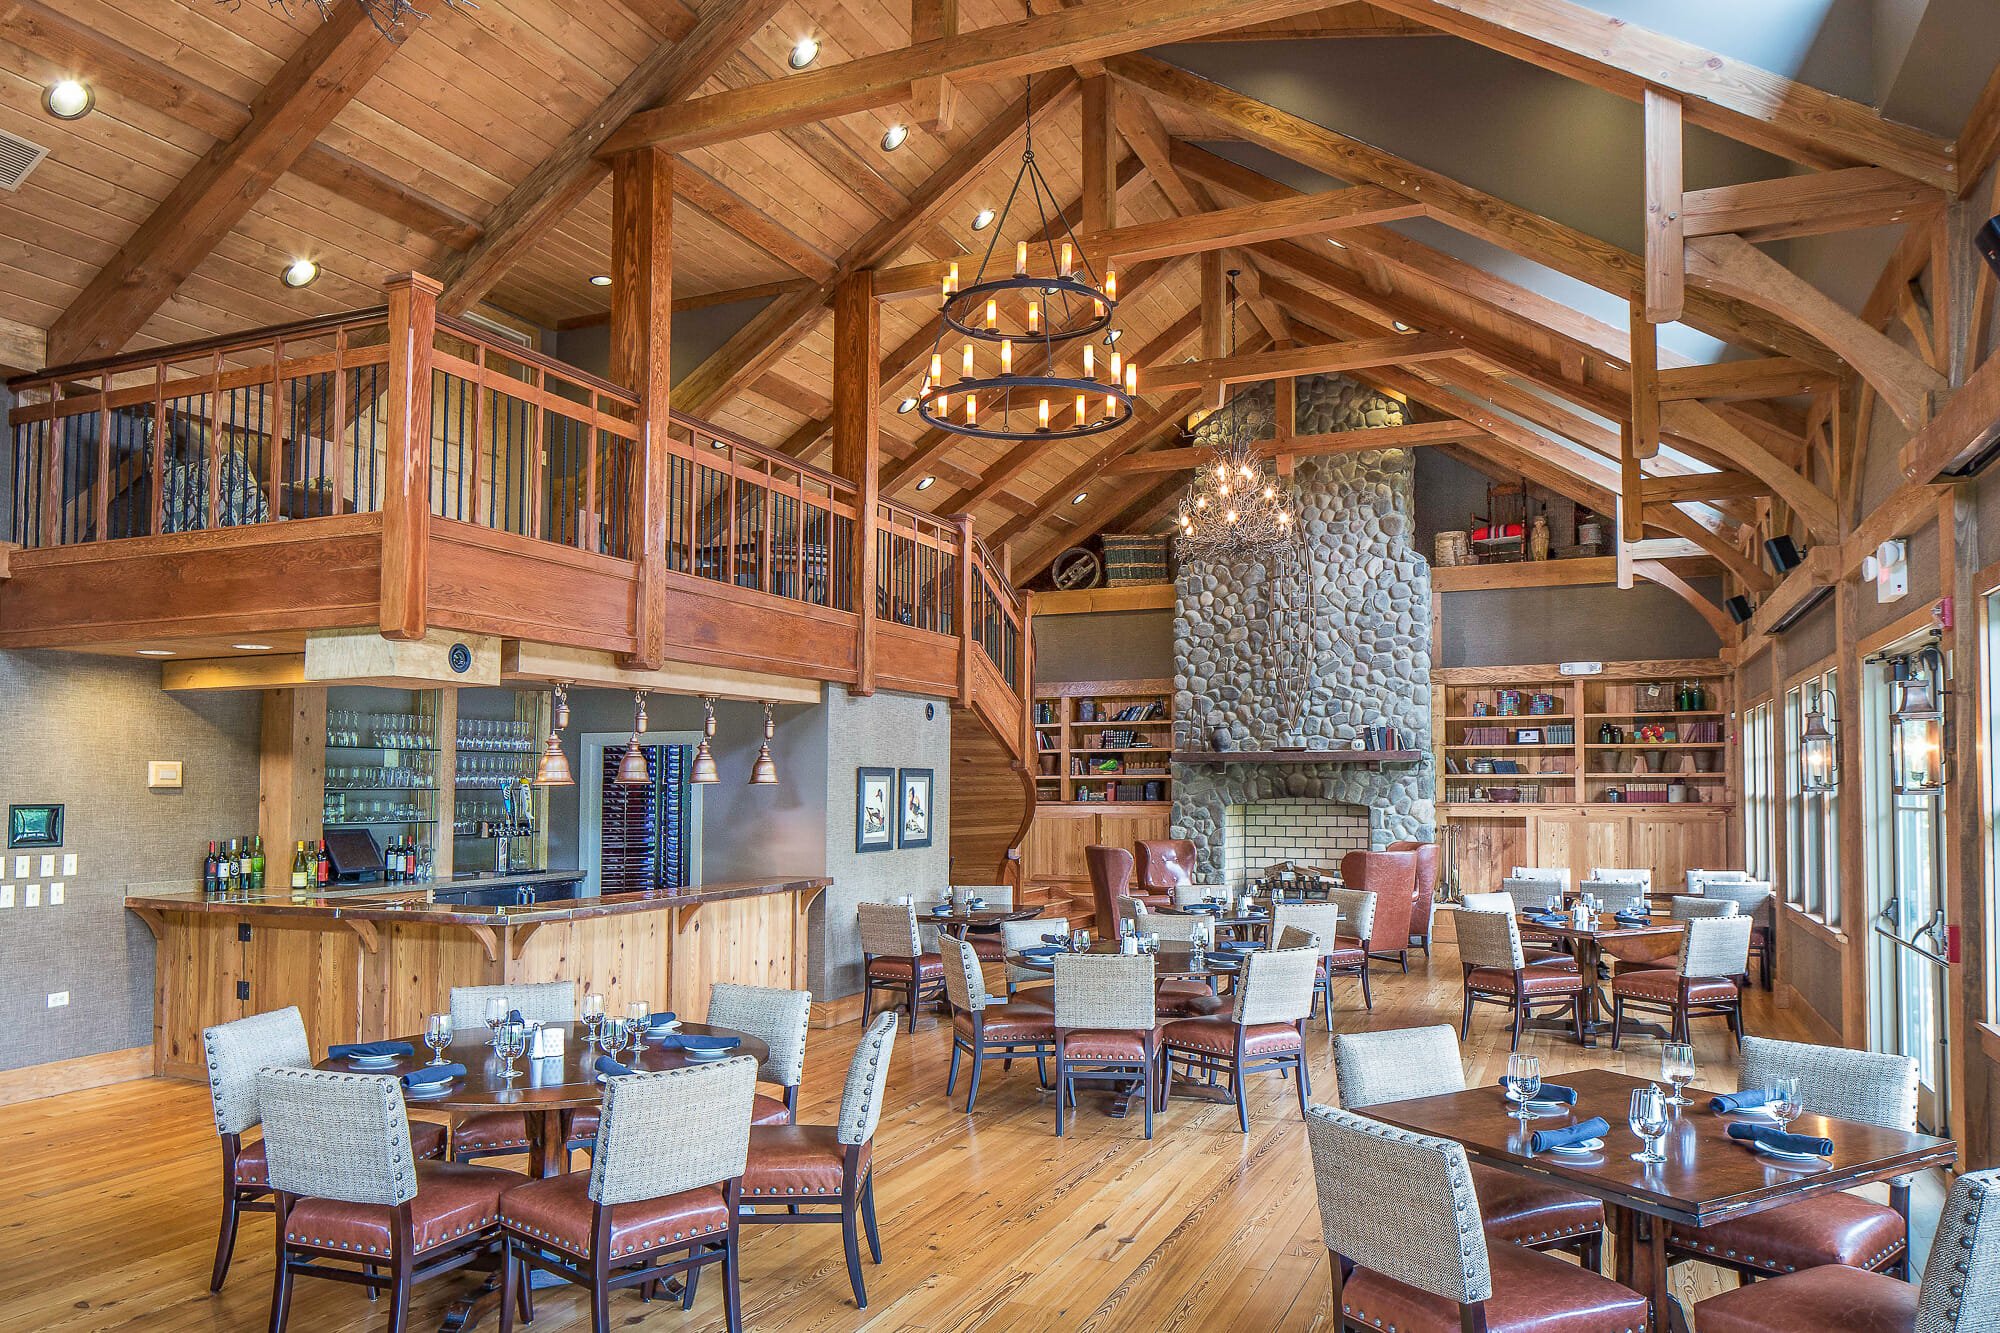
pixel 637 1015
pixel 1783 1103
pixel 1524 1080
pixel 437 1036
pixel 1647 1115
pixel 1678 1068
pixel 509 1040
pixel 616 1033
pixel 496 1016
pixel 593 1016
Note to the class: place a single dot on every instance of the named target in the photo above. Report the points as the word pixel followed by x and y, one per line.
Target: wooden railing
pixel 997 617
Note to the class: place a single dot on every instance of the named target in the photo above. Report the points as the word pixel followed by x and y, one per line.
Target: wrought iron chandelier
pixel 1030 316
pixel 388 16
pixel 1236 506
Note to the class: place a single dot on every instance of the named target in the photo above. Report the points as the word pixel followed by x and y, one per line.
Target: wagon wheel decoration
pixel 1076 568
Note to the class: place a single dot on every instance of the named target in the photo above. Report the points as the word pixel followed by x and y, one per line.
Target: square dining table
pixel 1706 1178
pixel 1640 943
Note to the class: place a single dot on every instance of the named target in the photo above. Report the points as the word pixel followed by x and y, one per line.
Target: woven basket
pixel 1135 558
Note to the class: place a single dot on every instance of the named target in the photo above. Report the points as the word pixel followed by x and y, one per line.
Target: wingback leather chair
pixel 1164 864
pixel 1427 887
pixel 1392 878
pixel 1110 880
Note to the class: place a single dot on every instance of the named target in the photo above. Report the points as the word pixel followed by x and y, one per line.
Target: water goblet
pixel 616 1032
pixel 1678 1067
pixel 1647 1115
pixel 1524 1080
pixel 509 1040
pixel 437 1036
pixel 593 1016
pixel 636 1014
pixel 496 1015
pixel 1783 1102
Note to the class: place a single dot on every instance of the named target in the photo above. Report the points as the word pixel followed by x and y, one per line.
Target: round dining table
pixel 546 1091
pixel 958 920
pixel 1171 961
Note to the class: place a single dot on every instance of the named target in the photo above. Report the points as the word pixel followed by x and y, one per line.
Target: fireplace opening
pixel 1304 830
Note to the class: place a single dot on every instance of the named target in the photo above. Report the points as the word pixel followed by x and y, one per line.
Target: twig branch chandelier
pixel 1236 506
pixel 1030 313
pixel 388 16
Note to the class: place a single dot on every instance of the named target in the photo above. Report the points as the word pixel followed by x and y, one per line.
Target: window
pixel 1812 819
pixel 1758 828
pixel 1989 713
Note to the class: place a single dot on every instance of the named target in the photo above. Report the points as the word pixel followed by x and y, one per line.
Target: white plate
pixel 429 1090
pixel 1580 1149
pixel 707 1055
pixel 1792 1158
pixel 373 1061
pixel 1537 1106
pixel 1759 1112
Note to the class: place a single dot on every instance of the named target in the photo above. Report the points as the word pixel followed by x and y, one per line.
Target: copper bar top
pixel 394 902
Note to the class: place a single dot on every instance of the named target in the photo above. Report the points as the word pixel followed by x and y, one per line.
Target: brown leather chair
pixel 1427 887
pixel 986 1031
pixel 1110 880
pixel 1164 865
pixel 1392 878
pixel 1497 971
pixel 1715 953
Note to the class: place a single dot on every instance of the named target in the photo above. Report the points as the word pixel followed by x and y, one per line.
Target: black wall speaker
pixel 1784 553
pixel 1988 241
pixel 1739 609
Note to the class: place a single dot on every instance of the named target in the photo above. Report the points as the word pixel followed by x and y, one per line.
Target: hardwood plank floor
pixel 108 1220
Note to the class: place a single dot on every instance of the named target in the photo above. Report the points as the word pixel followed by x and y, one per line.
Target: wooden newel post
pixel 406 494
pixel 642 308
pixel 966 577
pixel 857 444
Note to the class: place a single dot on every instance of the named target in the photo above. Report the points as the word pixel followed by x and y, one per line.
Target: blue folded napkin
pixel 696 1041
pixel 341 1052
pixel 942 909
pixel 1062 940
pixel 610 1068
pixel 1213 909
pixel 1551 1092
pixel 432 1075
pixel 514 1016
pixel 1256 916
pixel 1224 963
pixel 1777 1139
pixel 1544 1139
pixel 1241 946
pixel 1546 918
pixel 661 1019
pixel 1739 1101
pixel 1044 950
pixel 1634 918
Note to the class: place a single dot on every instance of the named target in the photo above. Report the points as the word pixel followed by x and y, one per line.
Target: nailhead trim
pixel 573 1246
pixel 296 1239
pixel 1376 1320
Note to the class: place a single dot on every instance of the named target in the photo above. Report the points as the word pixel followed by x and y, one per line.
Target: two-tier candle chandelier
pixel 1236 506
pixel 1025 384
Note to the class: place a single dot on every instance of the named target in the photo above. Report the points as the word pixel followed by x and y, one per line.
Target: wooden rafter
pixel 563 178
pixel 1216 229
pixel 1657 571
pixel 1783 116
pixel 1762 377
pixel 1666 276
pixel 332 64
pixel 1702 422
pixel 1304 446
pixel 1810 205
pixel 1323 359
pixel 1005 51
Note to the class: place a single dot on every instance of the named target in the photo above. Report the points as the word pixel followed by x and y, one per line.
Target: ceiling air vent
pixel 18 157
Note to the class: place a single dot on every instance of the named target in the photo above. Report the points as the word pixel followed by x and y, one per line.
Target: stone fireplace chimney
pixel 1348 647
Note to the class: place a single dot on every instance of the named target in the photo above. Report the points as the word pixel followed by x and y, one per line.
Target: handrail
pixel 298 328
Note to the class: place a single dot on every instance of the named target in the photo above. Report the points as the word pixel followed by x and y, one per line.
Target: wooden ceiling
pixel 228 140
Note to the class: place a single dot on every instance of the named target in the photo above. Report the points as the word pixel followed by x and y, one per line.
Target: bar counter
pixel 371 961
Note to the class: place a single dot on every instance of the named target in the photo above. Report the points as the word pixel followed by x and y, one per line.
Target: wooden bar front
pixel 371 965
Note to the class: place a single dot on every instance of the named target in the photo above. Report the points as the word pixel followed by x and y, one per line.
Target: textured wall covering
pixel 1354 652
pixel 79 731
pixel 880 731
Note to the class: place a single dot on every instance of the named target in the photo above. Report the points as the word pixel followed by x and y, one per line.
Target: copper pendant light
pixel 764 773
pixel 553 770
pixel 703 771
pixel 633 770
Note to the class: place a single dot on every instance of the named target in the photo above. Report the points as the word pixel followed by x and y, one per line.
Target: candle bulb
pixel 971 408
pixel 1131 379
pixel 1034 316
pixel 937 367
pixel 1020 257
pixel 967 373
pixel 1043 414
pixel 951 280
pixel 1110 407
pixel 1111 283
pixel 1089 367
pixel 1006 356
pixel 1082 413
pixel 1117 361
pixel 1068 260
pixel 1099 307
pixel 992 315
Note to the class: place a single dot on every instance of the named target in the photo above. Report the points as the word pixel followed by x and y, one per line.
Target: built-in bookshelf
pixel 1104 742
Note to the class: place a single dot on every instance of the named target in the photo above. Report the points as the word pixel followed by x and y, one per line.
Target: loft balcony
pixel 393 470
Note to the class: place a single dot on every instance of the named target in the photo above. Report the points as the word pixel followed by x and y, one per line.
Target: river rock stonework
pixel 1349 646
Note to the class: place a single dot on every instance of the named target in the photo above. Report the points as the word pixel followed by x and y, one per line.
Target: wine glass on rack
pixel 437 1036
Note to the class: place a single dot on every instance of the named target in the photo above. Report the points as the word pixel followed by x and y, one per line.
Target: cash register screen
pixel 353 853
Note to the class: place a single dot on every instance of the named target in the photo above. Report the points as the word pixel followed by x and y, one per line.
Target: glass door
pixel 1907 982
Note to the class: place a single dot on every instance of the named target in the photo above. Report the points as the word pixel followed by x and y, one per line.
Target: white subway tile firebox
pixel 1303 829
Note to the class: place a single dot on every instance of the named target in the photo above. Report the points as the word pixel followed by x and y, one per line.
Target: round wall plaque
pixel 461 658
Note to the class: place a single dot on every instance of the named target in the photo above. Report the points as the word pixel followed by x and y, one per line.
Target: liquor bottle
pixel 301 872
pixel 323 869
pixel 257 862
pixel 229 865
pixel 210 878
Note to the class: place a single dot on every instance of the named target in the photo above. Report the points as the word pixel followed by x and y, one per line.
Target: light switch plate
pixel 48 863
pixel 69 863
pixel 56 894
pixel 6 896
pixel 58 999
pixel 34 898
pixel 21 864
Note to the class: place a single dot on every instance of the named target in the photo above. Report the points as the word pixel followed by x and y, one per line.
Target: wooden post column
pixel 1100 156
pixel 406 492
pixel 857 444
pixel 642 303
pixel 291 775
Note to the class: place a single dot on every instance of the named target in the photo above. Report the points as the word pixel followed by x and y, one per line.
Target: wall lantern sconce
pixel 1917 723
pixel 1818 768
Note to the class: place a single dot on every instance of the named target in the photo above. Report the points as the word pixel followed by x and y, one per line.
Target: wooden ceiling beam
pixel 1216 229
pixel 1362 440
pixel 566 176
pixel 1761 377
pixel 1699 486
pixel 1810 205
pixel 334 62
pixel 1698 421
pixel 1666 274
pixel 1322 359
pixel 1473 211
pixel 1656 571
pixel 1004 51
pixel 1732 97
pixel 933 100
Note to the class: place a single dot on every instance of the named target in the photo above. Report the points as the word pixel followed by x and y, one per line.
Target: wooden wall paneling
pixel 1671 845
pixel 291 774
pixel 316 968
pixel 747 940
pixel 1484 849
pixel 622 958
pixel 197 964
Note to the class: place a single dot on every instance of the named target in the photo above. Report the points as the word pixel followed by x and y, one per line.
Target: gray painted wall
pixel 1108 645
pixel 696 336
pixel 79 731
pixel 1517 626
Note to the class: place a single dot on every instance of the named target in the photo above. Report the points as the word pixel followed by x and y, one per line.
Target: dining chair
pixel 1179 997
pixel 1405 1063
pixel 1498 972
pixel 809 1167
pixel 660 1199
pixel 1404 1231
pixel 1110 870
pixel 1531 894
pixel 1265 1030
pixel 986 940
pixel 1862 1086
pixel 1755 899
pixel 893 959
pixel 1556 876
pixel 235 1052
pixel 1684 908
pixel 1392 878
pixel 1104 1016
pixel 1960 1291
pixel 988 1031
pixel 1019 935
pixel 1427 883
pixel 352 1200
pixel 1698 881
pixel 1186 895
pixel 1163 865
pixel 503 1133
pixel 1342 954
pixel 1714 952
pixel 1486 902
pixel 1637 877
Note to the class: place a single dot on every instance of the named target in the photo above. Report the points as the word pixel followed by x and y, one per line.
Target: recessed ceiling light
pixel 1113 336
pixel 600 279
pixel 908 405
pixel 982 219
pixel 1338 245
pixel 893 137
pixel 68 99
pixel 156 652
pixel 1399 326
pixel 804 53
pixel 1079 497
pixel 252 647
pixel 300 273
pixel 926 483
